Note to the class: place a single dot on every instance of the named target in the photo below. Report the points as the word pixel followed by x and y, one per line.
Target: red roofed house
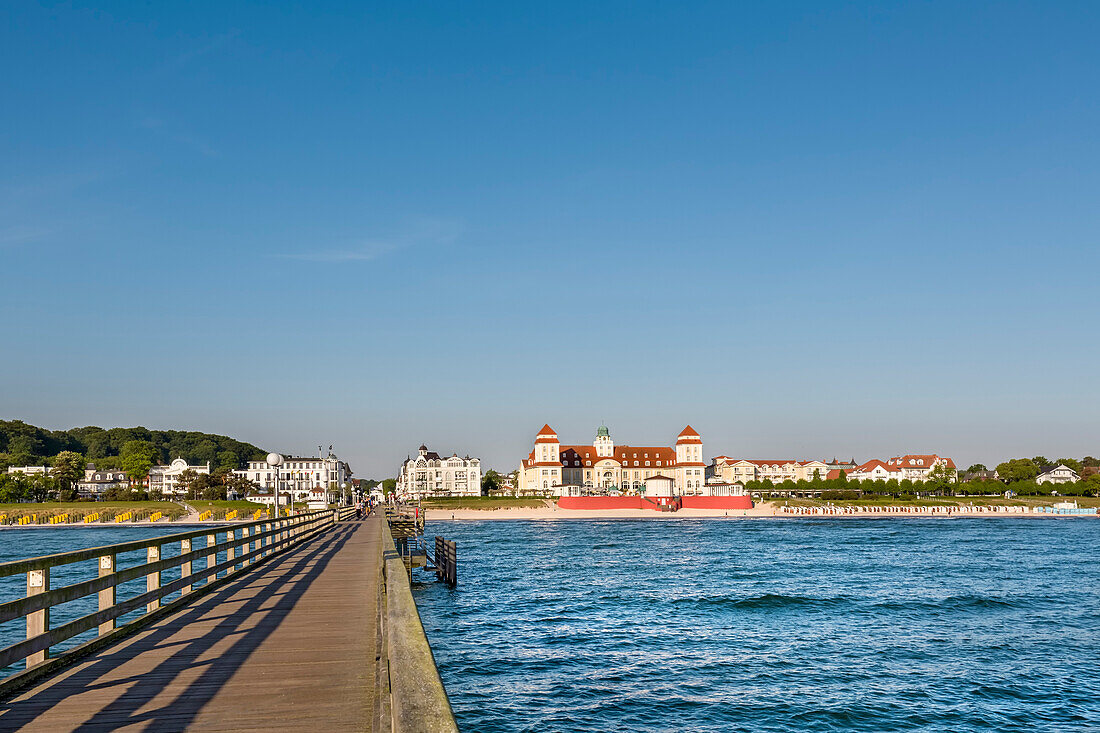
pixel 912 467
pixel 604 467
pixel 757 469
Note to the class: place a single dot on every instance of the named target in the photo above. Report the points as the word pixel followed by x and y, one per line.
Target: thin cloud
pixel 175 132
pixel 365 253
pixel 428 232
pixel 15 235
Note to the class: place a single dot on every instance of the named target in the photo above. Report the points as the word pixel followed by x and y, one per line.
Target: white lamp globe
pixel 274 459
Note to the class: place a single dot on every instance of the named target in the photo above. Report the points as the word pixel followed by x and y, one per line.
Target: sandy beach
pixel 758 512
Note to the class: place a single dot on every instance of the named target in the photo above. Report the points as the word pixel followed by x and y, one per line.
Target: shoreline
pixel 503 514
pixel 106 525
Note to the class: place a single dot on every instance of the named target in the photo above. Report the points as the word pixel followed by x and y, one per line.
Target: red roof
pixel 623 454
pixel 874 463
pixel 546 435
pixel 688 435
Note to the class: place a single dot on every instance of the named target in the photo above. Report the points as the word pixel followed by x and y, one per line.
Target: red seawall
pixel 603 502
pixel 717 502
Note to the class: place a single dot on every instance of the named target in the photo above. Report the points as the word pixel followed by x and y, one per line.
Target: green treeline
pixel 27 445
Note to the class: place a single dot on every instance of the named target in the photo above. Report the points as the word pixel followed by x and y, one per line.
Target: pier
pixel 304 624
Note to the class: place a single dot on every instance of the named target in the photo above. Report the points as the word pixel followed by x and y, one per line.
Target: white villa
pixel 430 474
pixel 96 483
pixel 1060 474
pixel 165 478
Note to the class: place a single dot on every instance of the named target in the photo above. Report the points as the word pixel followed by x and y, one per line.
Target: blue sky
pixel 807 229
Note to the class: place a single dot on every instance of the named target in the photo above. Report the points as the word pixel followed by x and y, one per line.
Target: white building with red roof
pixel 912 467
pixel 776 470
pixel 605 467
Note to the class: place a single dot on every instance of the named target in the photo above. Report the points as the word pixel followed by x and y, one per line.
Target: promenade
pixel 293 645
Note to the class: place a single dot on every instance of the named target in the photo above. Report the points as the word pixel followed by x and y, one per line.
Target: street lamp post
pixel 274 460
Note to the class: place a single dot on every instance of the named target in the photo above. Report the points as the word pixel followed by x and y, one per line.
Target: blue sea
pixel 16 544
pixel 770 625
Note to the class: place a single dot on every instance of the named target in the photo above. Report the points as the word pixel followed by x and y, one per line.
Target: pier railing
pixel 242 545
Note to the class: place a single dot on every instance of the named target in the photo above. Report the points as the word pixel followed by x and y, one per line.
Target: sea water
pixel 770 624
pixel 20 543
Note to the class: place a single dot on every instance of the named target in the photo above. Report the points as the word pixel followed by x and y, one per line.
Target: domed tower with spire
pixel 603 444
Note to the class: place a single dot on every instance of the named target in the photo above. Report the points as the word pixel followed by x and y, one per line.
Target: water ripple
pixel 793 625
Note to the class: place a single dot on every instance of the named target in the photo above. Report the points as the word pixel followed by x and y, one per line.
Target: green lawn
pixel 214 504
pixel 484 502
pixel 77 510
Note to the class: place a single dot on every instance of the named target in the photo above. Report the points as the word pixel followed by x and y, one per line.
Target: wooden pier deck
pixel 293 645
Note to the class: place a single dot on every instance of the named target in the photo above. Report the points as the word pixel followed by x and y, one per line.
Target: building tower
pixel 689 461
pixel 548 458
pixel 605 447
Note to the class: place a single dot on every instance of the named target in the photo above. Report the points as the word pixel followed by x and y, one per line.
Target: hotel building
pixel 429 474
pixel 299 476
pixel 604 467
pixel 743 470
pixel 899 468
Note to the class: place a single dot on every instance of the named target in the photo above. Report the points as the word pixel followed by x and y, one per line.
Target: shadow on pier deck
pixel 296 644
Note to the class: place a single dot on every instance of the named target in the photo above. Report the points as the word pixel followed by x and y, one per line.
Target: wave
pixel 951 603
pixel 765 601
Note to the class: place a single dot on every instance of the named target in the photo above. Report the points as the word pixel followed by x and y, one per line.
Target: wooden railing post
pixel 185 568
pixel 152 580
pixel 107 595
pixel 246 546
pixel 212 558
pixel 38 622
pixel 229 554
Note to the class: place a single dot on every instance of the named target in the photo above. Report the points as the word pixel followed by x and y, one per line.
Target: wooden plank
pixel 293 644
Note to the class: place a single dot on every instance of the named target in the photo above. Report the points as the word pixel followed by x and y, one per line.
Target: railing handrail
pixel 15 567
pixel 280 534
pixel 72 592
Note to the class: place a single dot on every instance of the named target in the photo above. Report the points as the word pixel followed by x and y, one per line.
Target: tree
pixel 977 467
pixel 68 467
pixel 1090 462
pixel 941 477
pixel 1040 461
pixel 1017 469
pixel 490 482
pixel 229 460
pixel 389 486
pixel 137 457
pixel 185 482
pixel 239 485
